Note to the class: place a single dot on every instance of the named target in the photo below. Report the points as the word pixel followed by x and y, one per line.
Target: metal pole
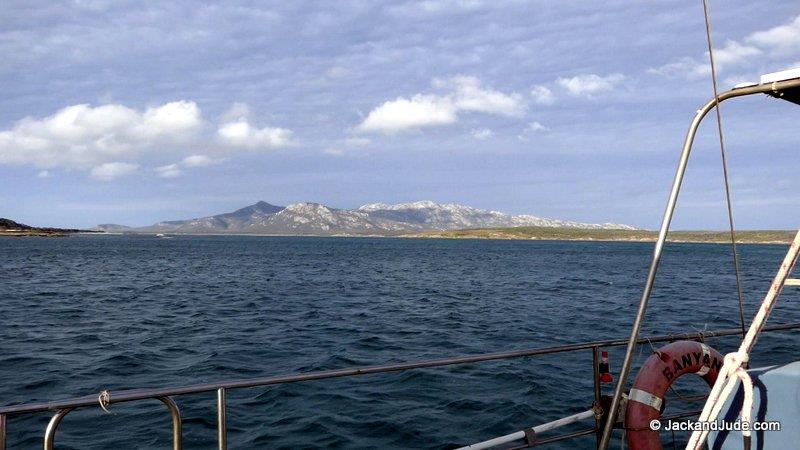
pixel 662 237
pixel 177 423
pixel 52 426
pixel 222 430
pixel 597 391
pixel 536 430
pixel 3 425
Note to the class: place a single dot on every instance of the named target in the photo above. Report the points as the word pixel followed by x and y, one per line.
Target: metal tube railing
pixel 588 431
pixel 62 407
pixel 532 432
pixel 141 394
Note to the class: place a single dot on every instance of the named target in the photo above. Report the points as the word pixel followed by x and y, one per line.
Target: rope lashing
pixel 734 363
pixel 104 399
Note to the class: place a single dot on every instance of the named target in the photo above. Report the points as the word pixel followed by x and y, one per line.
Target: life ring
pixel 646 398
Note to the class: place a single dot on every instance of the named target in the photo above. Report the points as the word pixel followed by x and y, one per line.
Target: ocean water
pixel 86 313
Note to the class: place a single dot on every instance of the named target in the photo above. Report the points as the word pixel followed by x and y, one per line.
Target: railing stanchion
pixel 177 423
pixel 3 432
pixel 597 392
pixel 222 429
pixel 52 426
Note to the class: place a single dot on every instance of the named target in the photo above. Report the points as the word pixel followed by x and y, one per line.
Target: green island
pixel 577 234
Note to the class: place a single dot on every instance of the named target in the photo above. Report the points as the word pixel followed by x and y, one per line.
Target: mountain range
pixel 372 219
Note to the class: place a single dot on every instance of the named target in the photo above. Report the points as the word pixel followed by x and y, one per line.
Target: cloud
pixel 168 171
pixel 470 96
pixel 192 161
pixel 536 126
pixel 542 95
pixel 82 136
pixel 200 161
pixel 235 131
pixel 780 40
pixel 112 170
pixel 481 133
pixel 349 145
pixel 588 85
pixel 243 135
pixel 775 42
pixel 43 174
pixel 435 7
pixel 238 111
pixel 533 127
pixel 100 138
pixel 731 55
pixel 464 94
pixel 400 114
pixel 682 67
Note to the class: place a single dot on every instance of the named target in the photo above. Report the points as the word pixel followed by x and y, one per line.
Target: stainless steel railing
pixel 165 395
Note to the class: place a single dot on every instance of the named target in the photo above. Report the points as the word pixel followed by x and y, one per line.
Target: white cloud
pixel 542 95
pixel 400 114
pixel 481 133
pixel 536 126
pixel 99 139
pixel 112 170
pixel 176 169
pixel 533 127
pixel 733 53
pixel 465 94
pixel 242 134
pixel 168 171
pixel 200 161
pixel 334 151
pixel 82 136
pixel 590 84
pixel 43 174
pixel 435 7
pixel 682 67
pixel 470 96
pixel 780 40
pixel 776 42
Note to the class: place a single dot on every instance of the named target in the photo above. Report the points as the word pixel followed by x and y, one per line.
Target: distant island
pixel 9 227
pixel 572 234
pixel 422 219
pixel 376 219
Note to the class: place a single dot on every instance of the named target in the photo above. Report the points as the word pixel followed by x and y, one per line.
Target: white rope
pixel 104 399
pixel 734 367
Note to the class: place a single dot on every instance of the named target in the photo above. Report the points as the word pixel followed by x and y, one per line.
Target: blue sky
pixel 134 112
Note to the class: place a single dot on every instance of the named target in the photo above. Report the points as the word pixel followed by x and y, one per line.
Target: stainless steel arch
pixel 774 89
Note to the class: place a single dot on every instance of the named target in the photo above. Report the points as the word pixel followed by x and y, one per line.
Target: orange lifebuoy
pixel 646 397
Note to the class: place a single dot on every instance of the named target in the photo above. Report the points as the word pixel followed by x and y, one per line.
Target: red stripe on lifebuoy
pixel 656 376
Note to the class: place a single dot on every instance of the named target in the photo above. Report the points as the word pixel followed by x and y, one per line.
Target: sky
pixel 134 112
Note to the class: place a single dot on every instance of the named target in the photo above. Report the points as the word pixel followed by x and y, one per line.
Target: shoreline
pixel 772 237
pixel 607 235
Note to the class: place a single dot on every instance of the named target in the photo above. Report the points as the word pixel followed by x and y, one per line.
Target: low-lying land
pixel 574 234
pixel 9 227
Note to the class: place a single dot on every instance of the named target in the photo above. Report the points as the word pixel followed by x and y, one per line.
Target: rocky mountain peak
pixel 375 218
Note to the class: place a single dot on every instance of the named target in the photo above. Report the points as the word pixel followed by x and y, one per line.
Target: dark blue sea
pixel 86 313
